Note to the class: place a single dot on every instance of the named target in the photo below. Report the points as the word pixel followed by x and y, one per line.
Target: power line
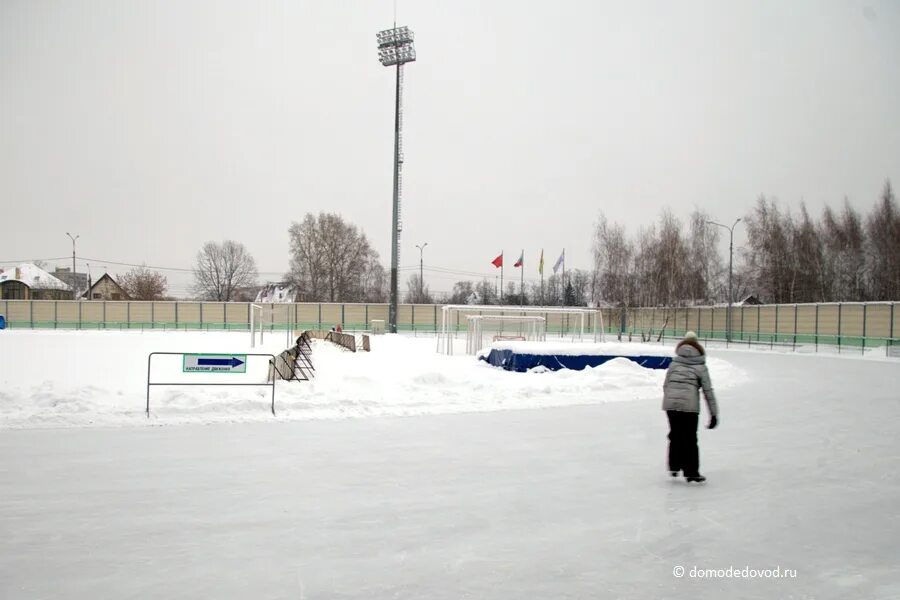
pixel 33 260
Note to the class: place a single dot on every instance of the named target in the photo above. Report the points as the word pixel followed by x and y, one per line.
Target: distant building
pixel 79 280
pixel 106 288
pixel 750 300
pixel 277 293
pixel 30 282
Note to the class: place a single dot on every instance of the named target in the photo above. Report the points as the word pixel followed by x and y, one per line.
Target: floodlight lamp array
pixel 397 56
pixel 394 37
pixel 395 46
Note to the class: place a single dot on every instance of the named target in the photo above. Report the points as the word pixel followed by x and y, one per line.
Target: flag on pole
pixel 560 261
pixel 521 261
pixel 541 264
pixel 498 262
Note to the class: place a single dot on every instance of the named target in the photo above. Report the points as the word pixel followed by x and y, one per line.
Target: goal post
pixel 591 318
pixel 531 328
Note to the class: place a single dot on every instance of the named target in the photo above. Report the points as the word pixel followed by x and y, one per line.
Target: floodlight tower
pixel 395 47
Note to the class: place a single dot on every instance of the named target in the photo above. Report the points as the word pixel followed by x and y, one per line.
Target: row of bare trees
pixel 789 257
pixel 843 256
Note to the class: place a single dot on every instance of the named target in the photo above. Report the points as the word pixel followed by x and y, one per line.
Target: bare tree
pixel 704 271
pixel 613 264
pixel 486 291
pixel 332 261
pixel 417 292
pixel 808 260
pixel 883 247
pixel 844 254
pixel 770 232
pixel 222 269
pixel 463 292
pixel 141 283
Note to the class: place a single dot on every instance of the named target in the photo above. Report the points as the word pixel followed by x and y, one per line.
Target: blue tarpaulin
pixel 519 362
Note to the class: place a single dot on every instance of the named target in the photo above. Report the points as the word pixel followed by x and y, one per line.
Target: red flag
pixel 498 262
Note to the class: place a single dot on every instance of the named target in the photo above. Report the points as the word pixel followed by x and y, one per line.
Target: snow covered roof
pixel 33 276
pixel 276 293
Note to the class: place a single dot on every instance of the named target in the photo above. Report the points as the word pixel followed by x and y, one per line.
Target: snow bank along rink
pixel 98 378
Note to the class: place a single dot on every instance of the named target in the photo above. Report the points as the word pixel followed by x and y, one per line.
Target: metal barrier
pixel 183 383
pixel 295 363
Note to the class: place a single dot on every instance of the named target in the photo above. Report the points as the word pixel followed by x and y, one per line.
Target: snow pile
pixel 77 378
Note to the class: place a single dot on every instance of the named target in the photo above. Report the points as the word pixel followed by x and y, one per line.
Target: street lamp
pixel 421 287
pixel 74 290
pixel 730 265
pixel 395 47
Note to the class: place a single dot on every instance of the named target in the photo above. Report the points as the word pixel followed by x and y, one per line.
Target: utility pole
pixel 74 288
pixel 421 285
pixel 730 273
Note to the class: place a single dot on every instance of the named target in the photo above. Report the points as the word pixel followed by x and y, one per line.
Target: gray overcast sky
pixel 151 127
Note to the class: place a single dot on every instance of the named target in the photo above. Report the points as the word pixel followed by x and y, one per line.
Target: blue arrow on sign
pixel 220 362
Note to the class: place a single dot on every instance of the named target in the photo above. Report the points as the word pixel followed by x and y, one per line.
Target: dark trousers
pixel 683 452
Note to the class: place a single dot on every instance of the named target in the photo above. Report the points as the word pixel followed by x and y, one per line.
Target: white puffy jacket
pixel 686 375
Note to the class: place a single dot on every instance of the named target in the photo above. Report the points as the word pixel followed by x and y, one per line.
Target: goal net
pixel 578 323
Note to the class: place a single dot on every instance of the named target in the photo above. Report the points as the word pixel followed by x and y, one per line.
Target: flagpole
pixel 501 278
pixel 542 276
pixel 522 284
pixel 563 295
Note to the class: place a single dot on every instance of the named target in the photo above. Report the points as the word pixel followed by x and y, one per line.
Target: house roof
pixel 34 277
pixel 89 292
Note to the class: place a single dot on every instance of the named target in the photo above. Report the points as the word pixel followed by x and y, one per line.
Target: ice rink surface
pixel 563 502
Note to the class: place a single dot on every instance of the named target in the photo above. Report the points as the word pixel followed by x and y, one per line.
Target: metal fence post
pixel 816 334
pixel 865 306
pixel 128 313
pixel 31 312
pixel 839 327
pixel 152 316
pixel 79 315
pixel 320 316
pixel 758 316
pixel 775 334
pixel 794 343
pixel 55 314
pixel 201 316
pixel 892 319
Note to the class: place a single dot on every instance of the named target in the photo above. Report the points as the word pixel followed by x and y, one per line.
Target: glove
pixel 713 421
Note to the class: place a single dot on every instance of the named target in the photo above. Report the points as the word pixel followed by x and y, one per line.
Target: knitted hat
pixel 690 336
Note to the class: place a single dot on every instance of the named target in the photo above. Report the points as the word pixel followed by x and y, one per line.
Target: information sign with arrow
pixel 214 363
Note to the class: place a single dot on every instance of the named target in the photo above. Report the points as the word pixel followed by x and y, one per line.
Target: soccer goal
pixel 455 316
pixel 530 328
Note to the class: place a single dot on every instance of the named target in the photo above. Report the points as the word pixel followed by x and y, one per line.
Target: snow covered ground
pixel 563 502
pixel 66 378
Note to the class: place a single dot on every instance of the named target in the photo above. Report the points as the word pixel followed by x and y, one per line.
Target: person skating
pixel 681 400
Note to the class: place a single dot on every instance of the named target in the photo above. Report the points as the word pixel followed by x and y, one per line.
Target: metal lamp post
pixel 421 281
pixel 74 289
pixel 730 271
pixel 395 47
